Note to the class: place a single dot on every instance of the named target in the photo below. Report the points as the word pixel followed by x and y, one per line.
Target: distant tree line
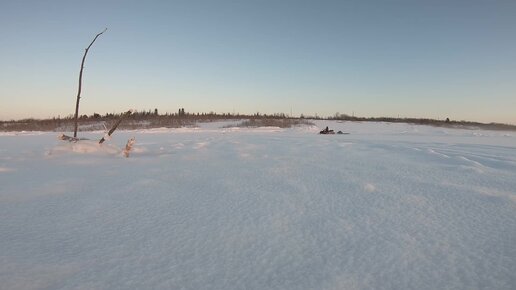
pixel 152 119
pixel 137 120
pixel 426 121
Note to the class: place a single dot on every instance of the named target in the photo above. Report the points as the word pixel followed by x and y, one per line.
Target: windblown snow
pixel 388 206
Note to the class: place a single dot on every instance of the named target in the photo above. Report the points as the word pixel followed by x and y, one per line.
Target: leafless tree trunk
pixel 116 125
pixel 80 84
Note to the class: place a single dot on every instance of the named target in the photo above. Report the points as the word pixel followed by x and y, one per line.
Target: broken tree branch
pixel 80 83
pixel 129 147
pixel 116 125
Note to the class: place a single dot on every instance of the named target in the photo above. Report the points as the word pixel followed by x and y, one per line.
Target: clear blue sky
pixel 432 59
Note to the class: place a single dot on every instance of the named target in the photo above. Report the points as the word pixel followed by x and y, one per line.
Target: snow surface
pixel 389 206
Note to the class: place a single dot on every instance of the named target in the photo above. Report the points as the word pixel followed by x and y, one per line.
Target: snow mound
pixel 85 147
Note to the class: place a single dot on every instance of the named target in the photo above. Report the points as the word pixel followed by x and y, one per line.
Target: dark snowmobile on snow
pixel 327 131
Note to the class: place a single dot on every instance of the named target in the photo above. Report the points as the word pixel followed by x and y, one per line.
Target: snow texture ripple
pixel 389 206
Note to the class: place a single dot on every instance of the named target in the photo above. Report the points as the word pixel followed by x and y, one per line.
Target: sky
pixel 425 59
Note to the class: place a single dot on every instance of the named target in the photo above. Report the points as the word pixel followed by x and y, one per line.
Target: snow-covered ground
pixel 389 206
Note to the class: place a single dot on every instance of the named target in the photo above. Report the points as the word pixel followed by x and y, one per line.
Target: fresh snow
pixel 389 206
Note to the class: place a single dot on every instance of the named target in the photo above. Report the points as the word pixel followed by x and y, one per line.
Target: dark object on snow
pixel 327 131
pixel 70 139
pixel 340 132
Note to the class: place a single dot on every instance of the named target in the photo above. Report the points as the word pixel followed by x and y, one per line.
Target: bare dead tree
pixel 116 125
pixel 113 128
pixel 80 83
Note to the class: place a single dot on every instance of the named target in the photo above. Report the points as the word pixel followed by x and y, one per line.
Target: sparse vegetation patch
pixel 270 122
